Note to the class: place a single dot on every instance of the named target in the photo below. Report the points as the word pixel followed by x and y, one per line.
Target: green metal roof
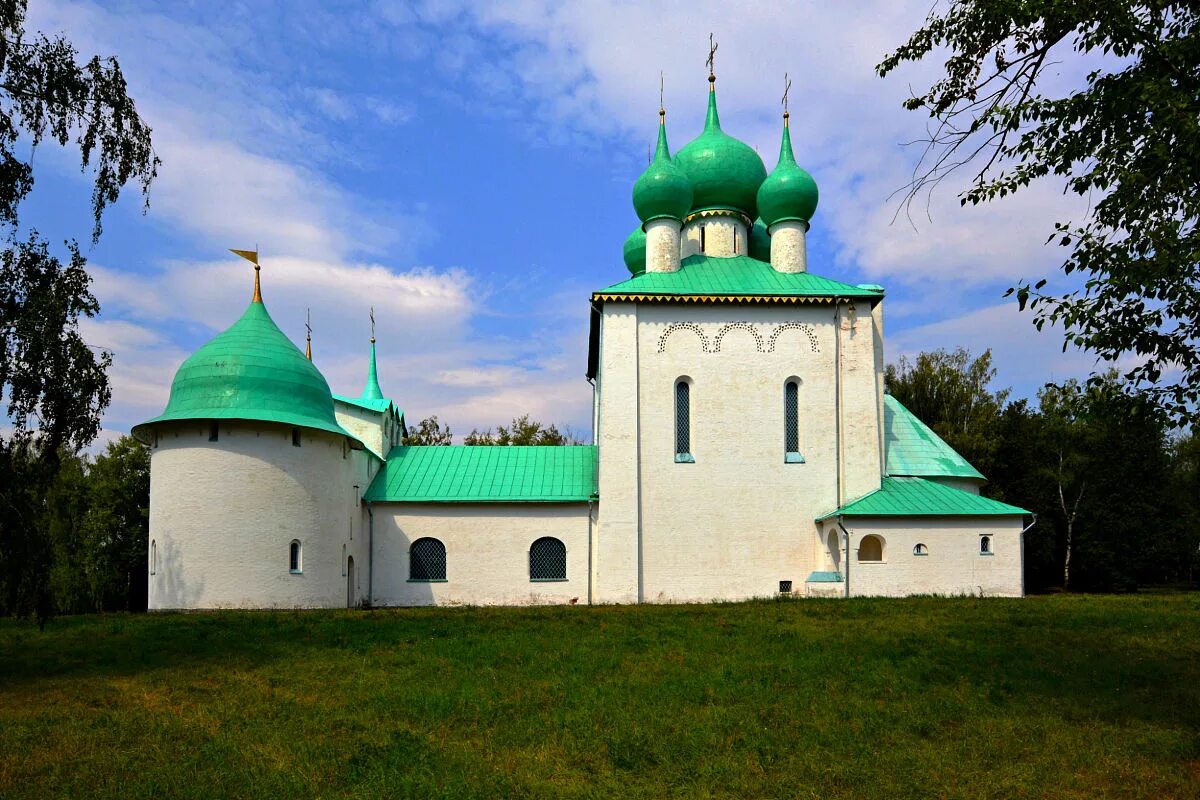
pixel 737 276
pixel 251 371
pixel 486 474
pixel 913 449
pixel 917 497
pixel 378 406
pixel 789 192
pixel 663 191
pixel 725 173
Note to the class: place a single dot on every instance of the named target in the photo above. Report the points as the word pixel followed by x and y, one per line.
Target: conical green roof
pixel 635 251
pixel 789 193
pixel 663 191
pixel 251 371
pixel 725 173
pixel 760 241
pixel 372 390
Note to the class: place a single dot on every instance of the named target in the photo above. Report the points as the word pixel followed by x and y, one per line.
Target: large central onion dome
pixel 251 371
pixel 790 193
pixel 663 191
pixel 725 173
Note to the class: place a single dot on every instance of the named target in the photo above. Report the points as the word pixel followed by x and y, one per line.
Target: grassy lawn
pixel 1077 697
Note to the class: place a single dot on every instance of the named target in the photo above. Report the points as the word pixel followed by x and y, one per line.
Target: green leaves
pixel 1128 139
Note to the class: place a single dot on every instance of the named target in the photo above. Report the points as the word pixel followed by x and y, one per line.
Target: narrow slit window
pixel 153 557
pixel 791 423
pixel 213 432
pixel 683 423
pixel 701 238
pixel 735 242
pixel 295 437
pixel 295 564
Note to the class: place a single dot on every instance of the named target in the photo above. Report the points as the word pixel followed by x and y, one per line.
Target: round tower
pixel 787 200
pixel 725 174
pixel 251 478
pixel 661 198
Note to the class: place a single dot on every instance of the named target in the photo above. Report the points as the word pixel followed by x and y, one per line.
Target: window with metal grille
pixel 985 545
pixel 683 422
pixel 548 560
pixel 427 560
pixel 791 422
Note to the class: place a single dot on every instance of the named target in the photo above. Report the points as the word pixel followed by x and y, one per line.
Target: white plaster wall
pixel 861 420
pixel 954 565
pixel 739 519
pixel 789 250
pixel 662 245
pixel 374 429
pixel 724 236
pixel 615 566
pixel 487 552
pixel 223 514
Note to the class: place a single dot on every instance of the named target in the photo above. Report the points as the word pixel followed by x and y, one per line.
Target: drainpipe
pixel 837 404
pixel 846 537
pixel 1021 544
pixel 591 556
pixel 370 555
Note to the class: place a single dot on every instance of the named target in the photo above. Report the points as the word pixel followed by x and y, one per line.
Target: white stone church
pixel 744 445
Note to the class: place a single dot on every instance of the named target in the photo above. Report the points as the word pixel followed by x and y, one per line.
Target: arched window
pixel 295 561
pixel 547 560
pixel 870 548
pixel 683 423
pixel 427 560
pixel 791 422
pixel 920 549
pixel 985 545
pixel 153 557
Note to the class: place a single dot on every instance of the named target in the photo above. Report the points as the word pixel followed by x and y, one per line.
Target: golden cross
pixel 372 323
pixel 308 321
pixel 712 51
pixel 787 87
pixel 660 90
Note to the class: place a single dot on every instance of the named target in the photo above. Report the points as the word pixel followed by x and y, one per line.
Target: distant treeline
pixel 1116 490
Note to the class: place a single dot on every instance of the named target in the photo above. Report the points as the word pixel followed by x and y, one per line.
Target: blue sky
pixel 467 171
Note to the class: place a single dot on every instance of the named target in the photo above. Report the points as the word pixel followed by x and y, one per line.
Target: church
pixel 744 446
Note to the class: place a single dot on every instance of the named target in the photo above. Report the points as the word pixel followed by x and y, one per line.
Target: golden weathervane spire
pixel 252 257
pixel 787 87
pixel 308 333
pixel 712 52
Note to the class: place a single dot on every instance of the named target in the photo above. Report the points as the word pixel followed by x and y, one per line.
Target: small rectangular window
pixel 295 437
pixel 212 432
pixel 701 238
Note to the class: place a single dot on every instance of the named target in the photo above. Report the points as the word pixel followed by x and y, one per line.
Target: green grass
pixel 1064 696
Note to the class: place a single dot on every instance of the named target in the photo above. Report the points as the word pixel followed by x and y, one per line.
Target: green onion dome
pixel 635 251
pixel 663 191
pixel 251 371
pixel 760 241
pixel 789 193
pixel 725 173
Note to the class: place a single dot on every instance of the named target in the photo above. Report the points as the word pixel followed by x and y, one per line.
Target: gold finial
pixel 372 324
pixel 712 52
pixel 308 333
pixel 787 87
pixel 252 257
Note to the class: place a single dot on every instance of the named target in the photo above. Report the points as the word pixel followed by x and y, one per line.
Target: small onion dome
pixel 663 191
pixel 251 371
pixel 635 251
pixel 789 193
pixel 760 241
pixel 725 173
